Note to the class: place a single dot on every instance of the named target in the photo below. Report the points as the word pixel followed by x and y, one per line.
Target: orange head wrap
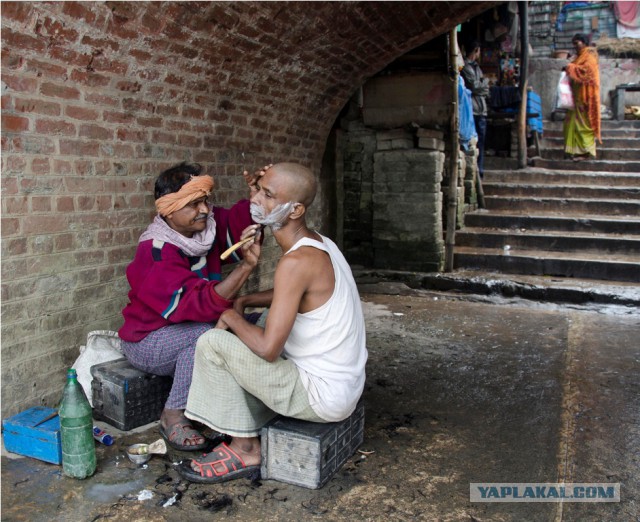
pixel 196 187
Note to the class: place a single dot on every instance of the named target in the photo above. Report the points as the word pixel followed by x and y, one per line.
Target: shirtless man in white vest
pixel 308 359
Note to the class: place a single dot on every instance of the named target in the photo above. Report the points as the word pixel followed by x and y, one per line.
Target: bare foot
pixel 170 418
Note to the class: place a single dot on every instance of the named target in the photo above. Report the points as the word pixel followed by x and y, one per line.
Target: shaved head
pixel 298 182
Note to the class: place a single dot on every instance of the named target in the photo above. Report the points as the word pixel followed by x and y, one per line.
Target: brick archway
pixel 98 97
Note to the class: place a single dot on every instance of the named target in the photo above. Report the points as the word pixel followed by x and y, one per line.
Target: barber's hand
pixel 251 250
pixel 252 179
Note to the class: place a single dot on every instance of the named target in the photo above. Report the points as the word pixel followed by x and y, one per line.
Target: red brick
pixel 86 203
pixel 91 79
pixel 12 123
pixel 9 184
pixel 22 41
pixel 81 113
pixel 136 105
pixel 67 56
pixel 20 83
pixel 10 226
pixel 79 11
pixel 43 224
pixel 62 167
pixel 128 86
pixel 56 127
pixel 59 91
pixel 7 103
pixel 132 135
pixel 15 247
pixel 104 203
pixel 63 242
pixel 41 203
pixel 84 185
pixel 95 132
pixel 117 117
pixel 15 205
pixel 102 99
pixel 150 122
pixel 11 59
pixel 189 141
pixel 57 33
pixel 40 166
pixel 18 11
pixel 140 56
pixel 65 204
pixel 100 43
pixel 79 148
pixel 37 106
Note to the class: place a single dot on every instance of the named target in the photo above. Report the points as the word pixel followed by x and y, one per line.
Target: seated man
pixel 176 292
pixel 308 362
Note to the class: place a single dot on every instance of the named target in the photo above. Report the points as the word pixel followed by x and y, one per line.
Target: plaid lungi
pixel 234 391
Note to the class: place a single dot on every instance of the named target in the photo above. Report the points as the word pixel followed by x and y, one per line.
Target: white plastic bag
pixel 102 346
pixel 564 94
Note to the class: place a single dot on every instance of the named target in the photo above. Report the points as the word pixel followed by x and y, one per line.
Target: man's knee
pixel 213 344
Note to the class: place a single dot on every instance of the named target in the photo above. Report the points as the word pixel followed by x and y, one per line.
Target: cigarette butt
pixel 235 247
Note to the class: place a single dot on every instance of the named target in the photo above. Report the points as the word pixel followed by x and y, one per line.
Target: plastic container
pixel 102 436
pixel 76 430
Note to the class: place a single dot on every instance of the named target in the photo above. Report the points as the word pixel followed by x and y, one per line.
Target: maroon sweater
pixel 169 287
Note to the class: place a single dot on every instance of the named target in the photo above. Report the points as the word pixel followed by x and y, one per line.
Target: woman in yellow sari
pixel 582 123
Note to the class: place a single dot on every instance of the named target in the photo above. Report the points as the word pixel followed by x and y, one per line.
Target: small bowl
pixel 139 453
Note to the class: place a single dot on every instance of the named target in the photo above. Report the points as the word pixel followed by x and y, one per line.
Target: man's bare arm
pixel 290 284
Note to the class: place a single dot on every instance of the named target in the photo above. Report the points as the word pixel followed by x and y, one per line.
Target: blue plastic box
pixel 22 436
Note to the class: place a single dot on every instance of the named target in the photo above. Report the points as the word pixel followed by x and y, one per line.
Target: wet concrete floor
pixel 460 389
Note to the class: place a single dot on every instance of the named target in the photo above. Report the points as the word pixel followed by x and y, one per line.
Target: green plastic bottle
pixel 76 430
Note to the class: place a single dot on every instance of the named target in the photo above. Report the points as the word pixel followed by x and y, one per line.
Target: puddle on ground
pixel 112 492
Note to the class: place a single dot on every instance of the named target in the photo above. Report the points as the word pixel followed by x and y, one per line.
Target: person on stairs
pixel 475 81
pixel 582 123
pixel 306 361
pixel 177 292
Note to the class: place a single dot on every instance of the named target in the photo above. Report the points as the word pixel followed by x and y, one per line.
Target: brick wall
pixel 99 97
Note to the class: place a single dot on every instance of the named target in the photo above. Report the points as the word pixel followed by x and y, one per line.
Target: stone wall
pixel 394 198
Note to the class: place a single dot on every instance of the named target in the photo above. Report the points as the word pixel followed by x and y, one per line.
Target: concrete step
pixel 559 241
pixel 630 143
pixel 508 219
pixel 588 165
pixel 602 153
pixel 605 125
pixel 564 206
pixel 540 288
pixel 536 262
pixel 562 177
pixel 539 190
pixel 606 134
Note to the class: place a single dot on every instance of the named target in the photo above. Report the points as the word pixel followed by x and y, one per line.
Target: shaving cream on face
pixel 276 218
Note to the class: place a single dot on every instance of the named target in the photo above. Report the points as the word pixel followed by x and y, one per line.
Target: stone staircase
pixel 561 218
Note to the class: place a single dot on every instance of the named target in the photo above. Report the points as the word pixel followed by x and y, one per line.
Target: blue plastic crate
pixel 22 436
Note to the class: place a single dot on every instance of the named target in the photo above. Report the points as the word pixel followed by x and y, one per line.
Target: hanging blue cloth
pixel 534 106
pixel 467 128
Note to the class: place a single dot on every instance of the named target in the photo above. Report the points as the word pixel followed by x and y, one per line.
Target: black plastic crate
pixel 308 454
pixel 126 397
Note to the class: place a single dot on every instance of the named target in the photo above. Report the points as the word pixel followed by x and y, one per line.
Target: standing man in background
pixel 476 82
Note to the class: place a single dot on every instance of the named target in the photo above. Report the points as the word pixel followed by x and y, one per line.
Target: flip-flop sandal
pixel 221 465
pixel 183 431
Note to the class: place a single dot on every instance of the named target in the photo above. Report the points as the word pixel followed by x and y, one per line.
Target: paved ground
pixel 460 389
